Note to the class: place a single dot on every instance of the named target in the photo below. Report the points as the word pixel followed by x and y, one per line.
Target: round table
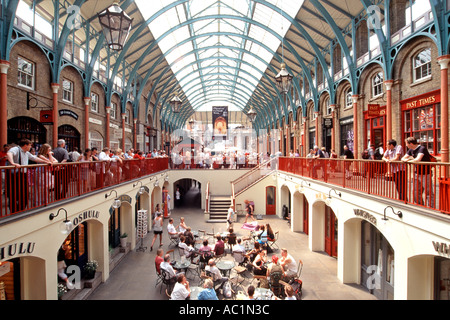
pixel 263 294
pixel 195 291
pixel 225 266
pixel 182 265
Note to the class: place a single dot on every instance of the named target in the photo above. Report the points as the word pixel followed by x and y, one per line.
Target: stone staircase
pixel 218 208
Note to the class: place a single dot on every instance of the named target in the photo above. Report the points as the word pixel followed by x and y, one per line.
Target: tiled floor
pixel 135 277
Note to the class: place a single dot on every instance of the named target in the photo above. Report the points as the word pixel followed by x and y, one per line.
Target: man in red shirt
pixel 159 258
pixel 3 155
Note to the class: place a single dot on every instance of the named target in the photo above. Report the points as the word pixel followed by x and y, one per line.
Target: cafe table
pixel 263 294
pixel 225 266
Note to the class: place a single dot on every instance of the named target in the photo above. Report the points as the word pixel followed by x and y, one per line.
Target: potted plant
pixel 123 240
pixel 90 268
pixel 61 290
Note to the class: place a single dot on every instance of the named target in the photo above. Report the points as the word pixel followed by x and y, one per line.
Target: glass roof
pixel 213 68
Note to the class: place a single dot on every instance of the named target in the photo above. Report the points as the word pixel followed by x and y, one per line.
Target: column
pixel 123 132
pixel 305 150
pixel 443 62
pixel 135 135
pixel 108 127
pixel 316 114
pixel 4 66
pixel 55 89
pixel 333 128
pixel 355 126
pixel 87 109
pixel 388 84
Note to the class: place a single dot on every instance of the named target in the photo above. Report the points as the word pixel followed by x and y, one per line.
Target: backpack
pixel 227 292
pixel 297 284
pixel 377 154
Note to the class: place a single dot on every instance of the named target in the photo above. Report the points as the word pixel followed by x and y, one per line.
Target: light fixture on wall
pixel 328 201
pixel 66 226
pixel 398 213
pixel 141 189
pixel 302 188
pixel 117 203
pixel 116 26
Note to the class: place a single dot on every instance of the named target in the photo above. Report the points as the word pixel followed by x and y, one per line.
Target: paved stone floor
pixel 135 277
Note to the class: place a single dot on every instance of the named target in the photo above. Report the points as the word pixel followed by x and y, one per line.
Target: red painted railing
pixel 425 184
pixel 31 187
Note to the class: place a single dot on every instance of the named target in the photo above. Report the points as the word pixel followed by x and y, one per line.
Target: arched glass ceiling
pixel 206 70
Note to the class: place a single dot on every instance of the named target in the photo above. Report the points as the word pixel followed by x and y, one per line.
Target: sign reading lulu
pixel 90 214
pixel 16 249
pixel 365 215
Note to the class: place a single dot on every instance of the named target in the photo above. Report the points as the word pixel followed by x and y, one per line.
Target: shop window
pixel 67 91
pixel 377 85
pixel 424 124
pixel 25 75
pixel 422 65
pixel 94 102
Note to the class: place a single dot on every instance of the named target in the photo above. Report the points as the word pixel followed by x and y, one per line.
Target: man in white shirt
pixel 394 152
pixel 215 272
pixel 181 290
pixel 167 266
pixel 173 233
pixel 288 264
pixel 104 155
pixel 230 217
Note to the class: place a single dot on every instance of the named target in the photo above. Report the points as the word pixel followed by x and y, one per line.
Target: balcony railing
pixel 35 186
pixel 424 184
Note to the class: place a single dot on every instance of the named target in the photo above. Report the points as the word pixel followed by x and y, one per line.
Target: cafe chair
pixel 274 284
pixel 167 280
pixel 158 278
pixel 273 243
pixel 174 240
pixel 258 278
pixel 239 268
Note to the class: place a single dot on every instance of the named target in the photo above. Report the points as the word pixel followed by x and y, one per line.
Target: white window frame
pixel 67 94
pixel 127 116
pixel 113 111
pixel 348 98
pixel 94 102
pixel 423 68
pixel 29 76
pixel 377 85
pixel 328 110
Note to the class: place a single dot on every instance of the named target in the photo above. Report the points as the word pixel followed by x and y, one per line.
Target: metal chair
pixel 273 243
pixel 239 268
pixel 158 277
pixel 167 280
pixel 174 240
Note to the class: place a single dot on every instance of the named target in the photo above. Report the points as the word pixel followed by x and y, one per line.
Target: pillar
pixel 316 143
pixel 333 128
pixel 355 126
pixel 4 66
pixel 123 132
pixel 87 109
pixel 388 84
pixel 55 89
pixel 443 62
pixel 134 135
pixel 108 127
pixel 305 150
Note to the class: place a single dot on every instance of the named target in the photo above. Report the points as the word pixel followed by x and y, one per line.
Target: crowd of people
pixel 199 250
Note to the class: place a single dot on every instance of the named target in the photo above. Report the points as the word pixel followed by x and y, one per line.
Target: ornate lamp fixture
pixel 66 226
pixel 117 203
pixel 116 25
pixel 251 114
pixel 175 103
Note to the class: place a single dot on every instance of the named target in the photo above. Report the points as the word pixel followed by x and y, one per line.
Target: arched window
pixel 377 85
pixel 348 98
pixel 422 65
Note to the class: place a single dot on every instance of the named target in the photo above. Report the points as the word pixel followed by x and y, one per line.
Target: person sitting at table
pixel 205 252
pixel 167 267
pixel 231 238
pixel 265 236
pixel 251 292
pixel 259 267
pixel 253 253
pixel 173 233
pixel 190 241
pixel 181 290
pixel 238 247
pixel 288 264
pixel 159 259
pixel 288 292
pixel 189 251
pixel 219 248
pixel 272 268
pixel 215 273
pixel 208 292
pixel 182 227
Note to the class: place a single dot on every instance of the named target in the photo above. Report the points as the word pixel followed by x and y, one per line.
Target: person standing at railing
pixel 394 152
pixel 16 180
pixel 46 180
pixel 422 176
pixel 348 155
pixel 61 173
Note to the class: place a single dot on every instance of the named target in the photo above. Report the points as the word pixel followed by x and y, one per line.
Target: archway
pixel 191 193
pixel 71 136
pixel 26 128
pixel 299 213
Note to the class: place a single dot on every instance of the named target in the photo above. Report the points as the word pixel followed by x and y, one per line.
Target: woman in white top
pixel 182 227
pixel 157 229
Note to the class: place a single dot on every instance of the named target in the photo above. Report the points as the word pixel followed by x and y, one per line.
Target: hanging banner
pixel 220 121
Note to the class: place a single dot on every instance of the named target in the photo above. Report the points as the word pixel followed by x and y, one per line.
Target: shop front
pixel 375 120
pixel 421 118
pixel 331 232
